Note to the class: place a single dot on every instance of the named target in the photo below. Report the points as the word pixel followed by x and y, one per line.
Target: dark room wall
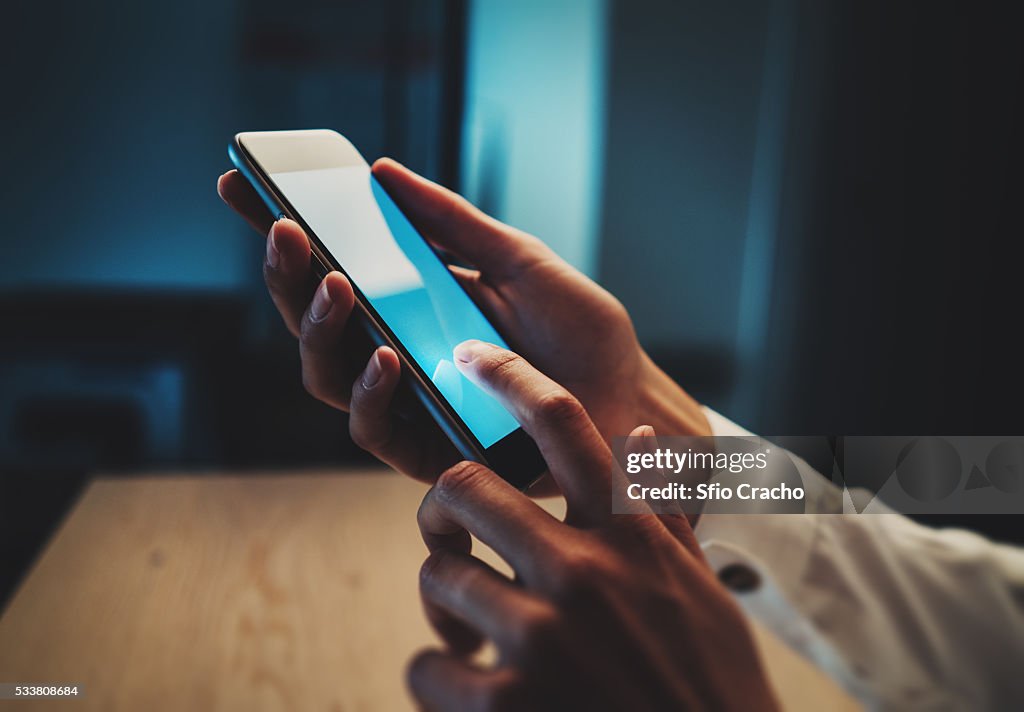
pixel 898 285
pixel 684 86
pixel 812 209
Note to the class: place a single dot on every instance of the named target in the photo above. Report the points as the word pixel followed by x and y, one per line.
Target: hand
pixel 616 612
pixel 572 329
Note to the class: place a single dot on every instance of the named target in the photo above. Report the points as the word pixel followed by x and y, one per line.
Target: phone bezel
pixel 515 457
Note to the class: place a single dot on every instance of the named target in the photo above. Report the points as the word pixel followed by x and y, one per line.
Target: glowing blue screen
pixel 403 279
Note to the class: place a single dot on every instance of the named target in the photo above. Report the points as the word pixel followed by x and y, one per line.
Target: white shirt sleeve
pixel 901 615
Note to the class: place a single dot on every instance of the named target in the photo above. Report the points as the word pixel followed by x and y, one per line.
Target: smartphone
pixel 405 295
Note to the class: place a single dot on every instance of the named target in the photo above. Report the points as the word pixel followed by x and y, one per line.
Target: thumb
pixel 454 224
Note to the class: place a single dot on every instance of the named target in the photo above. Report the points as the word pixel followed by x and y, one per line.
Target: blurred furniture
pixel 126 380
pixel 255 592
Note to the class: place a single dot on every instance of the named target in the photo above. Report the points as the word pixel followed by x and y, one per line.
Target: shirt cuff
pixel 821 496
pixel 782 541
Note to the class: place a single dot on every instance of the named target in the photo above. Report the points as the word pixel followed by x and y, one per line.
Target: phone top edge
pixel 289 132
pixel 298 150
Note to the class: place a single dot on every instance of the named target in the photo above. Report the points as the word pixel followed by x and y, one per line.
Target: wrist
pixel 665 406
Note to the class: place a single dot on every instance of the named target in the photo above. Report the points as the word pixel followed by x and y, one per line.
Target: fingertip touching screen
pixel 404 281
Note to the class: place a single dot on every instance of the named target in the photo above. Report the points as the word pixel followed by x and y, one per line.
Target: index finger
pixel 576 454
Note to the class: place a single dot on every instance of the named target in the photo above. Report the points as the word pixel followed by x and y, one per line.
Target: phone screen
pixel 404 281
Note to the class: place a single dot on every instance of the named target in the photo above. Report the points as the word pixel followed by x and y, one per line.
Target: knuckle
pixel 309 331
pixel 458 207
pixel 454 482
pixel 537 629
pixel 442 568
pixel 579 574
pixel 431 564
pixel 559 407
pixel 465 581
pixel 366 432
pixel 533 245
pixel 645 531
pixel 617 312
pixel 357 436
pixel 454 209
pixel 362 438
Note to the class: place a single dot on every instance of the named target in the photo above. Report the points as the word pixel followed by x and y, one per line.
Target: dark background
pixel 812 209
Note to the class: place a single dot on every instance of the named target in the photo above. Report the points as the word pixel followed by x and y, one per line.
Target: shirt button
pixel 739 578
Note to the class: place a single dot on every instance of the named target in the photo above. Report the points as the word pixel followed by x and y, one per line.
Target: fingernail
pixel 322 303
pixel 372 373
pixel 273 256
pixel 469 350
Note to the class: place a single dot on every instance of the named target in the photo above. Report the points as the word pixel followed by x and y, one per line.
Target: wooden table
pixel 255 592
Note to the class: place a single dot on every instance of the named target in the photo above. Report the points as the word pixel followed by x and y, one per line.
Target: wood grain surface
pixel 255 592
